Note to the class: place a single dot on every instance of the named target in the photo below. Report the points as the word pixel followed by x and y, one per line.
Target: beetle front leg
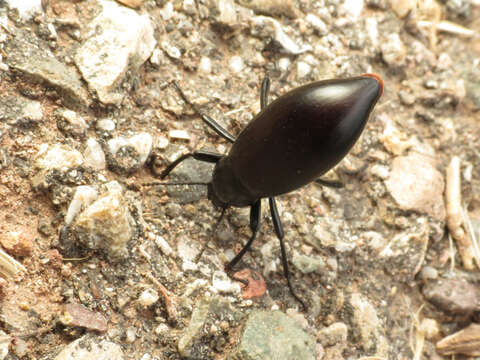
pixel 255 211
pixel 212 123
pixel 200 155
pixel 277 224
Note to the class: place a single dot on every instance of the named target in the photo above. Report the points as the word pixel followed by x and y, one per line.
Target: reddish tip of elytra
pixel 379 79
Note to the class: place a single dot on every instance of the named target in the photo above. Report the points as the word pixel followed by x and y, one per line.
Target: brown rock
pixel 453 296
pixel 79 315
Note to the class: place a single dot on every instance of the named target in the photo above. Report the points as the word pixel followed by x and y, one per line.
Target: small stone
pixel 472 87
pixel 57 156
pixel 319 26
pixel 179 134
pixel 303 69
pixel 106 125
pixel 161 330
pixel 430 328
pixel 84 196
pixel 19 347
pixel 394 51
pixel 107 223
pixel 205 65
pixel 236 64
pixel 131 3
pixel 4 345
pixel 272 7
pixel 453 296
pixel 121 41
pixel 91 347
pixel 30 56
pixel 335 334
pixel 148 297
pixel 17 243
pixel 368 325
pixel 70 123
pixel 26 9
pixel 274 335
pixel 406 98
pixel 353 7
pixel 267 28
pixel 323 236
pixel 223 284
pixel 130 335
pixel 428 273
pixel 308 264
pixel 223 13
pixel 416 185
pixel 394 140
pixel 163 245
pixel 403 7
pixel 129 154
pixel 78 315
pixel 94 155
pixel 20 111
pixel 171 50
pixel 444 61
pixel 208 313
pixel 256 286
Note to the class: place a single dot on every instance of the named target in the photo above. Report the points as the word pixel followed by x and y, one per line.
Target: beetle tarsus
pixel 277 225
pixel 198 257
pixel 255 211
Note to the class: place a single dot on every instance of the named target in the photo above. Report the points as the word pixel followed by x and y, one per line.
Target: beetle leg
pixel 212 123
pixel 200 155
pixel 277 224
pixel 330 183
pixel 214 230
pixel 255 210
pixel 264 92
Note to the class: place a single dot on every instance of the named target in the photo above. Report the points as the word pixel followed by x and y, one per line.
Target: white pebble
pixel 222 283
pixel 148 297
pixel 179 134
pixel 163 245
pixel 284 64
pixel 106 125
pixel 84 196
pixel 94 155
pixel 205 65
pixel 303 69
pixel 236 64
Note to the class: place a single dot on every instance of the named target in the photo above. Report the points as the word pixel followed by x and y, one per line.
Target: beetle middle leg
pixel 277 224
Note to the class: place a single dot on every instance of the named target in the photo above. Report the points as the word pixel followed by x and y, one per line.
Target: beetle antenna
pixel 213 231
pixel 186 99
pixel 173 183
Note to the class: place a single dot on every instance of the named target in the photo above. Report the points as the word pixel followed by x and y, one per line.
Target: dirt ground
pixel 367 245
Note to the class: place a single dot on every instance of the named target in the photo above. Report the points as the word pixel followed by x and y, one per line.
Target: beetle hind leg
pixel 277 224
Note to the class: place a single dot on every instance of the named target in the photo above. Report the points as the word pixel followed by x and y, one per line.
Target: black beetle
pixel 291 142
